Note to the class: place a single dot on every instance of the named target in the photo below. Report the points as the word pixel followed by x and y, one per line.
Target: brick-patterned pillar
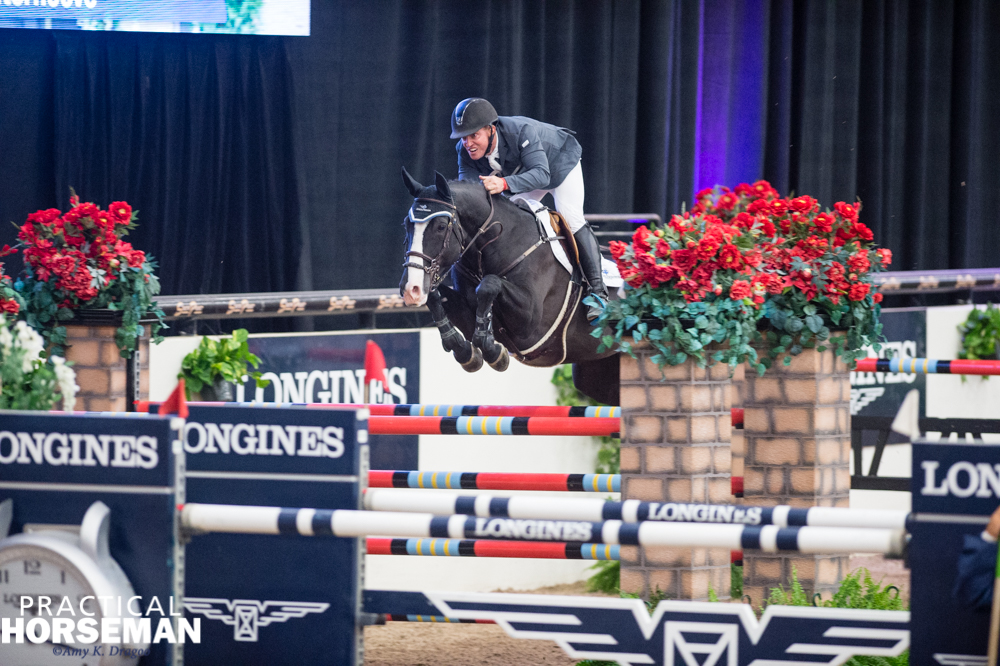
pixel 100 370
pixel 797 427
pixel 675 448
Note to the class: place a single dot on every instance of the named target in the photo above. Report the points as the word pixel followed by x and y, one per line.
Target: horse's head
pixel 434 238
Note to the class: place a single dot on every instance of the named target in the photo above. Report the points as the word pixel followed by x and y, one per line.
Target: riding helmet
pixel 470 116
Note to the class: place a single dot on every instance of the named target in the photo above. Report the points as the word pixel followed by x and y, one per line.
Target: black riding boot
pixel 590 262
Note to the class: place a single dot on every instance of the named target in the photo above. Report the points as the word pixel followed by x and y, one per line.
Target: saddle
pixel 568 241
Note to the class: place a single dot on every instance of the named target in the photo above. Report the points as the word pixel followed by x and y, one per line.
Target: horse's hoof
pixel 502 361
pixel 474 363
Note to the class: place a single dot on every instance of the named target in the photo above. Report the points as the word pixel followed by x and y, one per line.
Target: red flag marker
pixel 175 404
pixel 374 363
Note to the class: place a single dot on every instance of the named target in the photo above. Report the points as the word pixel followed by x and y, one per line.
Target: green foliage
pixel 607 577
pixel 980 335
pixel 735 581
pixel 226 359
pixel 715 330
pixel 29 380
pixel 857 590
pixel 609 455
pixel 795 324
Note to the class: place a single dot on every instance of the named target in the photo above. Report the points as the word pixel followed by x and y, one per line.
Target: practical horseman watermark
pixel 45 619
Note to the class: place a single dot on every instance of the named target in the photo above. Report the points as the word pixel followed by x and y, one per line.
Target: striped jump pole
pixel 927 366
pixel 493 425
pixel 630 511
pixel 548 411
pixel 592 483
pixel 348 523
pixel 536 550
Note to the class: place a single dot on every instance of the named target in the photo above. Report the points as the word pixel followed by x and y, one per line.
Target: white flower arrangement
pixel 29 380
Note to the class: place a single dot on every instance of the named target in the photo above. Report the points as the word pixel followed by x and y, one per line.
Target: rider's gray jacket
pixel 533 155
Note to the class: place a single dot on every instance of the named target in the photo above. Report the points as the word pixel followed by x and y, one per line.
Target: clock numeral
pixel 32 568
pixel 62 577
pixel 4 576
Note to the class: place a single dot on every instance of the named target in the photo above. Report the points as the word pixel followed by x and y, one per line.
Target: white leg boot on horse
pixel 590 262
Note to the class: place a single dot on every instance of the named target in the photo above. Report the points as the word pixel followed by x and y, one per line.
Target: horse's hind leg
pixel 494 353
pixel 470 358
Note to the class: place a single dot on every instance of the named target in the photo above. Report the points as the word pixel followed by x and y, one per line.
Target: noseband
pixel 432 266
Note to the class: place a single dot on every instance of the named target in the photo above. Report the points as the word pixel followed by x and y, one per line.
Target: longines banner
pixel 331 369
pixel 881 393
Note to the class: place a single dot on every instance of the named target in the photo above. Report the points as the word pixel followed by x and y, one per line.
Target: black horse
pixel 508 287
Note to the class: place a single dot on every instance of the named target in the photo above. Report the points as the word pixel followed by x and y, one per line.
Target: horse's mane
pixel 471 195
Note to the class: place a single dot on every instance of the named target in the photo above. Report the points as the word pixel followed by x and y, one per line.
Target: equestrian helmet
pixel 470 116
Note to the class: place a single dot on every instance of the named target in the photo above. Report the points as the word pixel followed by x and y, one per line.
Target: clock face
pixel 33 572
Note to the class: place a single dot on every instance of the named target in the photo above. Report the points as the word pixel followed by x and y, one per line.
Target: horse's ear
pixel 442 186
pixel 413 186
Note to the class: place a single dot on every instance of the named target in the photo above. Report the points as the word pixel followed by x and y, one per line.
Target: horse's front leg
pixel 470 358
pixel 494 353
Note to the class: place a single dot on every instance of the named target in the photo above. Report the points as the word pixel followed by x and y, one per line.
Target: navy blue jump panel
pixel 127 463
pixel 268 599
pixel 955 488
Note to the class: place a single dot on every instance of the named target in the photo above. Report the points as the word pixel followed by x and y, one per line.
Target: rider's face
pixel 477 143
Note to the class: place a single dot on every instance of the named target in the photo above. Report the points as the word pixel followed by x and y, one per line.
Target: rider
pixel 529 158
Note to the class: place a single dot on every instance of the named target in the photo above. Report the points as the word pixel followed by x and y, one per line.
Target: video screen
pixel 243 17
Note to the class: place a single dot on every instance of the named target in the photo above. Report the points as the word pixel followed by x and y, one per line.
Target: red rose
pixel 135 258
pixel 824 222
pixel 766 226
pixel 727 201
pixel 759 207
pixel 858 291
pixel 705 193
pixel 764 190
pixel 662 249
pixel 730 257
pixel 846 211
pixel 640 239
pixel 121 212
pixel 884 255
pixel 877 297
pixel 707 248
pixel 802 204
pixel 683 260
pixel 739 290
pixel 617 249
pixel 858 262
pixel 862 231
pixel 743 220
pixel 779 207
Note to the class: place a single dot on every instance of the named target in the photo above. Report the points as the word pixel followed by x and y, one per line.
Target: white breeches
pixel 568 196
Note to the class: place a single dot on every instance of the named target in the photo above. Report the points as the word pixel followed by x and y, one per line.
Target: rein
pixel 432 265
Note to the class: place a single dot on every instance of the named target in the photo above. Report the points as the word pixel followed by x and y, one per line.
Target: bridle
pixel 432 266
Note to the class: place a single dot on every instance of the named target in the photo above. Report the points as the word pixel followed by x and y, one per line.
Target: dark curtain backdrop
pixel 269 163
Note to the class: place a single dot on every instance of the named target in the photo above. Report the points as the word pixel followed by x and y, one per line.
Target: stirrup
pixel 595 310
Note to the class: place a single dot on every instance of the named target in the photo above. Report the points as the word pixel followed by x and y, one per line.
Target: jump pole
pixel 928 366
pixel 628 511
pixel 594 483
pixel 204 518
pixel 536 550
pixel 493 425
pixel 547 411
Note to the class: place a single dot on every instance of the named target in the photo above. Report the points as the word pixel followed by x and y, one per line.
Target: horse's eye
pixel 442 225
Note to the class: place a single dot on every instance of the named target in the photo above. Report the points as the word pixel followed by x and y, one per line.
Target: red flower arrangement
pixel 743 255
pixel 78 260
pixel 695 281
pixel 819 266
pixel 9 299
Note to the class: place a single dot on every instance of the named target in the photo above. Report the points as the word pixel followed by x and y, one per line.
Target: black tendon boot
pixel 590 262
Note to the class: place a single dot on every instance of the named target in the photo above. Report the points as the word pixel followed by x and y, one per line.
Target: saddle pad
pixel 612 279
